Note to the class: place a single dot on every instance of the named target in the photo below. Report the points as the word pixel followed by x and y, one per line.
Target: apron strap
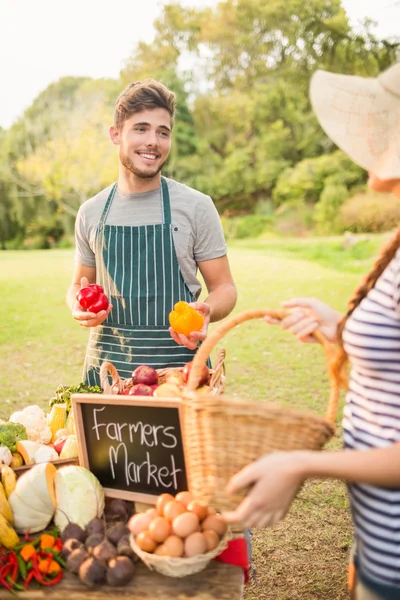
pixel 165 202
pixel 107 206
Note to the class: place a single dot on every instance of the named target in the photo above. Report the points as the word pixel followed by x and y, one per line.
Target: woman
pixel 362 116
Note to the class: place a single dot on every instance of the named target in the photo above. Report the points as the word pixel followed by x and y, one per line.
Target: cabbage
pixel 79 496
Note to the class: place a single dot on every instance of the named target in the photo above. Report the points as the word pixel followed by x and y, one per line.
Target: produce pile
pixel 100 551
pixel 91 538
pixel 37 560
pixel 30 436
pixel 146 381
pixel 179 526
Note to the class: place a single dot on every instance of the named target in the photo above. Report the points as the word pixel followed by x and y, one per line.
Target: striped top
pixel 372 420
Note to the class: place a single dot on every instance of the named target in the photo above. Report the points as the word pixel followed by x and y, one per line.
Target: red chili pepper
pixel 92 298
pixel 38 575
pixel 27 537
pixel 58 544
pixel 14 574
pixel 29 578
pixel 4 571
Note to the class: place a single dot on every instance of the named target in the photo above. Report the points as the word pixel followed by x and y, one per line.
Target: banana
pixel 8 479
pixel 8 536
pixel 5 508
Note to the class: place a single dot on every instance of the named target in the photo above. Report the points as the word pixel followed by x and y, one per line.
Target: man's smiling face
pixel 145 141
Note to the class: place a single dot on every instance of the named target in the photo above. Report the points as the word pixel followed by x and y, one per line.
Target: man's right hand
pixel 86 318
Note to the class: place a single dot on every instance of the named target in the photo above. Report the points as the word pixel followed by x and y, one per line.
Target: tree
pixel 78 159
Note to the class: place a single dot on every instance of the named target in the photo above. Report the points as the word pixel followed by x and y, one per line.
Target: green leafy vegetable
pixel 10 434
pixel 64 392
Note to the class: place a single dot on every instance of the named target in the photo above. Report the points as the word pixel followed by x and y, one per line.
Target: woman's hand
pixel 308 315
pixel 195 337
pixel 275 479
pixel 86 318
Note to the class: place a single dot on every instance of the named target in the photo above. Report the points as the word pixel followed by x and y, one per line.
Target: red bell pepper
pixel 92 298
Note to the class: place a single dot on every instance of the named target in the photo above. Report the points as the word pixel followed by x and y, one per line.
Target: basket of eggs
pixel 179 536
pixel 223 435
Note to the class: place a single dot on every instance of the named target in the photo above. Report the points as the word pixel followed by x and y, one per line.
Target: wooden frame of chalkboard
pixel 133 444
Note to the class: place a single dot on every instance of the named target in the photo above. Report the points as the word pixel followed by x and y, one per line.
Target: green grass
pixel 41 347
pixel 353 255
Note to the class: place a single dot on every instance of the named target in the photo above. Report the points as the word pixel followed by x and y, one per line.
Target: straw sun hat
pixel 362 116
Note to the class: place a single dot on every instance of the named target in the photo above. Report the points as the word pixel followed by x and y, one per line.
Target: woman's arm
pixel 277 477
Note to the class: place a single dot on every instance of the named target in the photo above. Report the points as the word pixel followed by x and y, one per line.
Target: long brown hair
pixel 338 366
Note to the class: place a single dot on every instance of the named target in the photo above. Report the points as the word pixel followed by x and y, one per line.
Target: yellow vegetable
pixel 8 479
pixel 8 535
pixel 56 419
pixel 70 424
pixel 5 508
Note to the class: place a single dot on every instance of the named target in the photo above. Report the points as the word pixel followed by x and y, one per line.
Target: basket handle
pixel 215 336
pixel 117 385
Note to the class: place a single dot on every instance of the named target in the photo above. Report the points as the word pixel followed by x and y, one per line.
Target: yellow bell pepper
pixel 185 319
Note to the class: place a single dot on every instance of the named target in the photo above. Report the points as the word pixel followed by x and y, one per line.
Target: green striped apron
pixel 139 271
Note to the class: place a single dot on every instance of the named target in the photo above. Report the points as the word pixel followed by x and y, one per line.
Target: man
pixel 143 240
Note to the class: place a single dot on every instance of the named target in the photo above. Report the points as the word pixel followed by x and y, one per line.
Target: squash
pixel 8 535
pixel 5 508
pixel 35 452
pixel 79 496
pixel 33 501
pixel 27 449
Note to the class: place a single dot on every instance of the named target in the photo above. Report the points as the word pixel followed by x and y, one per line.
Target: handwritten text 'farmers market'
pixel 150 436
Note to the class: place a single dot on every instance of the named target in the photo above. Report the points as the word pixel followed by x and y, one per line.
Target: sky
pixel 43 40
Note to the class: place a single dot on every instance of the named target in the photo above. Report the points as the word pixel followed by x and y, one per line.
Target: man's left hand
pixel 195 337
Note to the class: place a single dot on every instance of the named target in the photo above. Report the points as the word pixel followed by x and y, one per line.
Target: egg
pixel 216 523
pixel 195 544
pixel 212 539
pixel 173 509
pixel 185 524
pixel 145 541
pixel 173 546
pixel 184 497
pixel 139 523
pixel 162 500
pixel 198 508
pixel 153 512
pixel 159 529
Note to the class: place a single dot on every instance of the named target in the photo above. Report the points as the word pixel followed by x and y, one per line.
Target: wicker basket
pixel 178 567
pixel 118 385
pixel 222 435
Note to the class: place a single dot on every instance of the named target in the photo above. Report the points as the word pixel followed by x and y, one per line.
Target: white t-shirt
pixel 196 226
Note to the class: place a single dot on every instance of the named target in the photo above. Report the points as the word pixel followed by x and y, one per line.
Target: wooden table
pixel 217 581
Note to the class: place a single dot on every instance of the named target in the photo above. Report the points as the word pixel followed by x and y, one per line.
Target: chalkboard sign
pixel 133 444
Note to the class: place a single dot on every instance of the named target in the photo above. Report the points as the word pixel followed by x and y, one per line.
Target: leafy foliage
pixel 244 132
pixel 370 213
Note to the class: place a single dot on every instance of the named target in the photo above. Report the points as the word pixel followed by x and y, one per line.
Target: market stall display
pixel 180 536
